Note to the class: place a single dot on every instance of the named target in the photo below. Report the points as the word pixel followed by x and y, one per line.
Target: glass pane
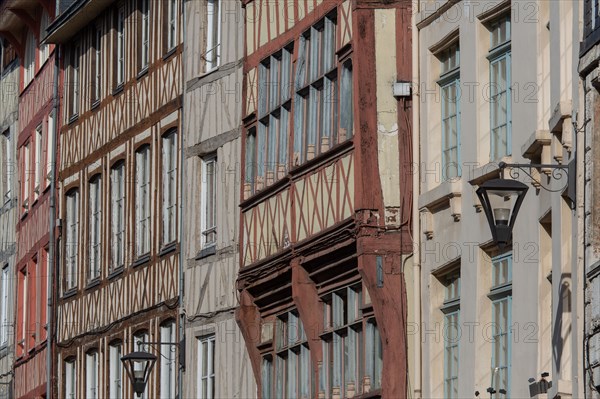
pixel 346 121
pixel 263 89
pixel 286 83
pixel 283 141
pixel 274 84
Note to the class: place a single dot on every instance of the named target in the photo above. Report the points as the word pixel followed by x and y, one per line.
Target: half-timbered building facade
pixel 325 226
pixel 9 96
pixel 118 194
pixel 23 24
pixel 217 364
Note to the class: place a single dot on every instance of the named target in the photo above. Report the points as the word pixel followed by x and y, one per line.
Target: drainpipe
pixel 182 344
pixel 52 223
pixel 418 388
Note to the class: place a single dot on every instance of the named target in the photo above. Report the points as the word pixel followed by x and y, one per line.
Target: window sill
pixel 170 53
pixel 70 293
pixel 118 90
pixel 141 260
pixel 500 291
pixel 143 72
pixel 206 252
pixel 93 284
pixel 24 214
pixel 95 104
pixel 168 248
pixel 116 272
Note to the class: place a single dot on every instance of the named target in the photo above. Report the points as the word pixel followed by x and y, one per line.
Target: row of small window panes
pixel 275 83
pixel 352 361
pixel 450 58
pixel 289 330
pixel 343 307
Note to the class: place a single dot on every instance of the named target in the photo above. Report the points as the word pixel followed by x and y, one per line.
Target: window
pixel 291 359
pixel 91 375
pixel 117 221
pixel 50 148
pixel 115 370
pixel 26 171
pixel 142 204
pixel 500 88
pixel 70 379
pixel 450 89
pixel 73 83
pixel 206 367
pixel 44 48
pixel 451 336
pixel 169 181
pixel 144 35
pixel 95 215
pixel 172 13
pixel 213 34
pixel 120 46
pixel 5 297
pixel 38 164
pixel 501 296
pixel 96 64
pixel 209 199
pixel 320 120
pixel 168 361
pixel 22 310
pixel 29 58
pixel 137 339
pixel 71 239
pixel 8 167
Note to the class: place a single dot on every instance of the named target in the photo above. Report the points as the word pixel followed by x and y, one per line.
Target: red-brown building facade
pixel 23 24
pixel 326 193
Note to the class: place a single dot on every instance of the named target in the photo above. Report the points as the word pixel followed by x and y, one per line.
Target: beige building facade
pixel 217 364
pixel 497 81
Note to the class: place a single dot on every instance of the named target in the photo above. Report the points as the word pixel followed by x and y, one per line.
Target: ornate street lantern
pixel 138 366
pixel 501 200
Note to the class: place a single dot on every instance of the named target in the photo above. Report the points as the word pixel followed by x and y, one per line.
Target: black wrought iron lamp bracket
pixel 557 173
pixel 178 345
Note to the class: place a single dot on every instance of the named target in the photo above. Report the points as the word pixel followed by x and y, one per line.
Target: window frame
pixel 206 230
pixel 74 81
pixel 206 375
pixel 143 194
pixel 5 294
pixel 95 228
pixel 168 360
pixel 50 144
pixel 170 168
pixel 450 78
pixel 92 384
pixel 119 46
pixel 8 167
pixel 72 207
pixel 171 25
pixel 29 58
pixel 115 370
pixel 37 162
pixel 144 7
pixel 498 53
pixel 96 64
pixel 118 203
pixel 451 310
pixel 70 373
pixel 213 39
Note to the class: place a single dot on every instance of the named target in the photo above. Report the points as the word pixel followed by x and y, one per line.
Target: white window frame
pixel 29 59
pixel 71 239
pixel 451 310
pixel 118 202
pixel 115 371
pixel 8 167
pixel 143 168
pixel 145 36
pixel 26 175
pixel 205 228
pixel 206 377
pixel 120 53
pixel 501 295
pixel 91 375
pixel 213 34
pixel 98 64
pixel 171 24
pixel 51 136
pixel 44 48
pixel 4 305
pixel 169 180
pixel 37 156
pixel 95 227
pixel 25 307
pixel 168 361
pixel 74 100
pixel 70 379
